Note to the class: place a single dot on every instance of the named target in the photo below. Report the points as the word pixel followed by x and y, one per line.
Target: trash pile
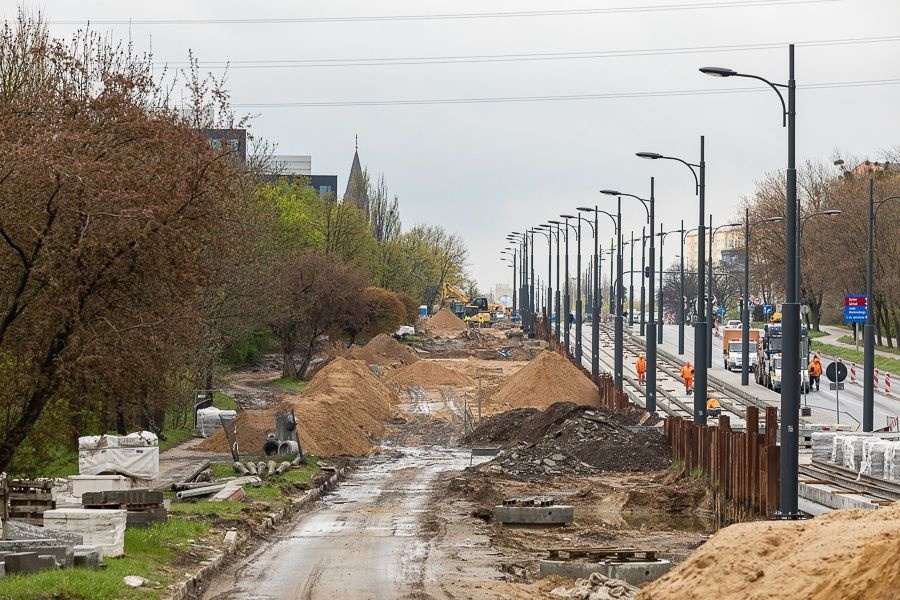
pixel 863 454
pixel 568 439
pixel 428 374
pixel 547 379
pixel 338 414
pixel 444 322
pixel 384 351
pixel 848 554
pixel 597 587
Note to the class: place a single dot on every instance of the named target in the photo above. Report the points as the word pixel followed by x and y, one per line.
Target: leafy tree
pixel 385 311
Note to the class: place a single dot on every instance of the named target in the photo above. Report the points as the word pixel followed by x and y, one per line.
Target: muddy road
pixel 363 541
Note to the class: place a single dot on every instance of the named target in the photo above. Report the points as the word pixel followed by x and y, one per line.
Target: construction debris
pixel 597 587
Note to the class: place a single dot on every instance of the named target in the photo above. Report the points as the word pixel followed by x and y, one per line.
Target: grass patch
pixel 848 339
pixel 813 334
pixel 174 437
pixel 412 339
pixel 891 365
pixel 149 552
pixel 288 383
pixel 224 401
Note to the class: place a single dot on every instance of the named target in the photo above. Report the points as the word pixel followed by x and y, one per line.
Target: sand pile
pixel 547 379
pixel 428 374
pixel 339 413
pixel 383 350
pixel 847 554
pixel 445 321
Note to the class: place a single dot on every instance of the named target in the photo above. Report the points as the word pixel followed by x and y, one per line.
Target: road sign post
pixel 836 372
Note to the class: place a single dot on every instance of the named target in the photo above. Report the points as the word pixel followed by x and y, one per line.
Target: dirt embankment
pixel 847 554
pixel 384 351
pixel 547 379
pixel 445 322
pixel 428 374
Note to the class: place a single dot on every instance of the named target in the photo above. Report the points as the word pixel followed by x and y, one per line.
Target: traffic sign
pixel 856 308
pixel 835 386
pixel 836 371
pixel 721 310
pixel 767 309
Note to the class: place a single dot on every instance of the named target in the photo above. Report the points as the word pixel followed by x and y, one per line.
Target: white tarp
pixel 135 455
pixel 209 420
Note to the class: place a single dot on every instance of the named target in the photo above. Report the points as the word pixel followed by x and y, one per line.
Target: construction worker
pixel 687 375
pixel 640 366
pixel 815 372
pixel 468 320
pixel 713 408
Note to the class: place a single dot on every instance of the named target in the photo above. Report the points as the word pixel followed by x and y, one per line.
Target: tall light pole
pixel 579 308
pixel 595 337
pixel 649 206
pixel 790 320
pixel 549 304
pixel 662 238
pixel 712 235
pixel 681 294
pixel 511 252
pixel 631 285
pixel 869 327
pixel 745 310
pixel 700 327
pixel 520 239
pixel 559 232
pixel 642 330
pixel 831 212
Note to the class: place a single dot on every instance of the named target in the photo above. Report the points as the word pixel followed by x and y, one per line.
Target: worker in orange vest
pixel 640 366
pixel 687 374
pixel 815 372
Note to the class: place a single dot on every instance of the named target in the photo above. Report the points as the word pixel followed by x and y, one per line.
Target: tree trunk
pixel 307 358
pixel 289 369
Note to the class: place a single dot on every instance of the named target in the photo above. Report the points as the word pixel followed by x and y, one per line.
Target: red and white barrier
pixel 852 372
pixel 877 377
pixel 887 384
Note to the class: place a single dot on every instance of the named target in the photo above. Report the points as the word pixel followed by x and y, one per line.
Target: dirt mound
pixel 445 321
pixel 500 428
pixel 568 439
pixel 848 554
pixel 384 351
pixel 547 379
pixel 428 374
pixel 339 413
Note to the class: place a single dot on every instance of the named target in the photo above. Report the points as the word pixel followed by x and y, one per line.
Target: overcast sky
pixel 484 169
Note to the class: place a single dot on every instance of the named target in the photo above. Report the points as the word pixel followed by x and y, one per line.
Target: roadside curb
pixel 187 588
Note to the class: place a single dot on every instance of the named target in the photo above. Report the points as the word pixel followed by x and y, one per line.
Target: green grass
pixel 813 334
pixel 149 553
pixel 174 437
pixel 223 401
pixel 848 339
pixel 288 383
pixel 891 365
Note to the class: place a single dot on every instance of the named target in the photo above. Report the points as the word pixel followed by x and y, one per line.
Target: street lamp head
pixel 515 233
pixel 773 220
pixel 611 192
pixel 650 155
pixel 556 222
pixel 832 212
pixel 568 216
pixel 717 71
pixel 585 209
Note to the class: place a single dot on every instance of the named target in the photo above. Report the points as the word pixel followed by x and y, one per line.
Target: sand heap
pixel 847 554
pixel 339 413
pixel 547 379
pixel 445 321
pixel 384 351
pixel 428 374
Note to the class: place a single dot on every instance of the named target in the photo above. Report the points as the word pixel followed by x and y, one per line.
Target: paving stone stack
pixel 144 507
pixel 822 445
pixel 28 549
pixel 102 528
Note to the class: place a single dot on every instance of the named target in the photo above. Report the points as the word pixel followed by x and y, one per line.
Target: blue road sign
pixel 767 309
pixel 721 310
pixel 856 308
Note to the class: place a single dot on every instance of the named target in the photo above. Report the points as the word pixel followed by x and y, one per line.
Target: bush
pixel 411 305
pixel 385 311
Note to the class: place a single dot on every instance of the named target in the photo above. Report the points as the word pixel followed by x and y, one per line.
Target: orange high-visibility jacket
pixel 687 372
pixel 641 365
pixel 815 368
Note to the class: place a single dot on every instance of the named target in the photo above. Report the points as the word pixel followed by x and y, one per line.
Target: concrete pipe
pixel 288 447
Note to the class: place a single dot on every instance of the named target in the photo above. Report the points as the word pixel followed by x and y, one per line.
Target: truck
pixel 731 348
pixel 769 357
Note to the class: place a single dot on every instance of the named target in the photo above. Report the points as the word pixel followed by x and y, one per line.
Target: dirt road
pixel 363 542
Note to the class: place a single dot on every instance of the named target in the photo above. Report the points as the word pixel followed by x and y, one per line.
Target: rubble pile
pixel 445 322
pixel 848 554
pixel 428 374
pixel 547 379
pixel 384 351
pixel 338 414
pixel 568 439
pixel 597 587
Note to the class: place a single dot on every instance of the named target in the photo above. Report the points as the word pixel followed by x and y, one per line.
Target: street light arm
pixel 883 201
pixel 689 166
pixel 774 86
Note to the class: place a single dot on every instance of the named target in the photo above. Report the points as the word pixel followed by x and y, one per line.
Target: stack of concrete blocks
pixel 209 420
pixel 101 528
pixel 892 461
pixel 28 549
pixel 822 445
pixel 144 507
pixel 873 457
pixel 850 451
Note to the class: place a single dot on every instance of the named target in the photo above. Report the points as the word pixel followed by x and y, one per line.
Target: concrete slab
pixel 558 514
pixel 23 562
pixel 634 573
pixel 834 497
pixel 14 530
pixel 87 556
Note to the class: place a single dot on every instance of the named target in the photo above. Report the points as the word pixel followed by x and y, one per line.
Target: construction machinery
pixel 462 305
pixel 768 357
pixel 731 348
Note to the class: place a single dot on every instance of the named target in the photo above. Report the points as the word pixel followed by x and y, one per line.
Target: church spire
pixel 356 191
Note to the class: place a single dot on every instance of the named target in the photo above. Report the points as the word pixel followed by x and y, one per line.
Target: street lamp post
pixel 548 308
pixel 745 309
pixel 681 297
pixel 578 304
pixel 509 251
pixel 631 285
pixel 595 338
pixel 709 262
pixel 700 327
pixel 649 206
pixel 790 365
pixel 643 321
pixel 662 238
pixel 869 327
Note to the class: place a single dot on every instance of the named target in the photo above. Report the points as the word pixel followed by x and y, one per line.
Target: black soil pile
pixel 568 439
pixel 501 428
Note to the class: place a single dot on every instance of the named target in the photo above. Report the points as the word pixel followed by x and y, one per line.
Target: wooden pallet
pixel 598 554
pixel 27 499
pixel 530 501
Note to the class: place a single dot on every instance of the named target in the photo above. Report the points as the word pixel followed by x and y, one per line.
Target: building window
pixel 233 145
pixel 215 144
pixel 324 189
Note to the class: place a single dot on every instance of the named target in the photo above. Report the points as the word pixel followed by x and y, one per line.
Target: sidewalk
pixel 836 332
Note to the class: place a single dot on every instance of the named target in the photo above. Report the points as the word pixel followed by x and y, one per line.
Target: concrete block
pixel 143 518
pixel 99 527
pixel 99 483
pixel 559 514
pixel 634 573
pixel 13 530
pixel 87 556
pixel 47 562
pixel 2 569
pixel 827 495
pixel 122 497
pixel 23 562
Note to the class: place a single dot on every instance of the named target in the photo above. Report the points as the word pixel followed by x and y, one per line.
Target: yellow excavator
pixel 479 310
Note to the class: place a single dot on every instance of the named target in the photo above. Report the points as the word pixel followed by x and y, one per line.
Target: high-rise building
pixel 727 246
